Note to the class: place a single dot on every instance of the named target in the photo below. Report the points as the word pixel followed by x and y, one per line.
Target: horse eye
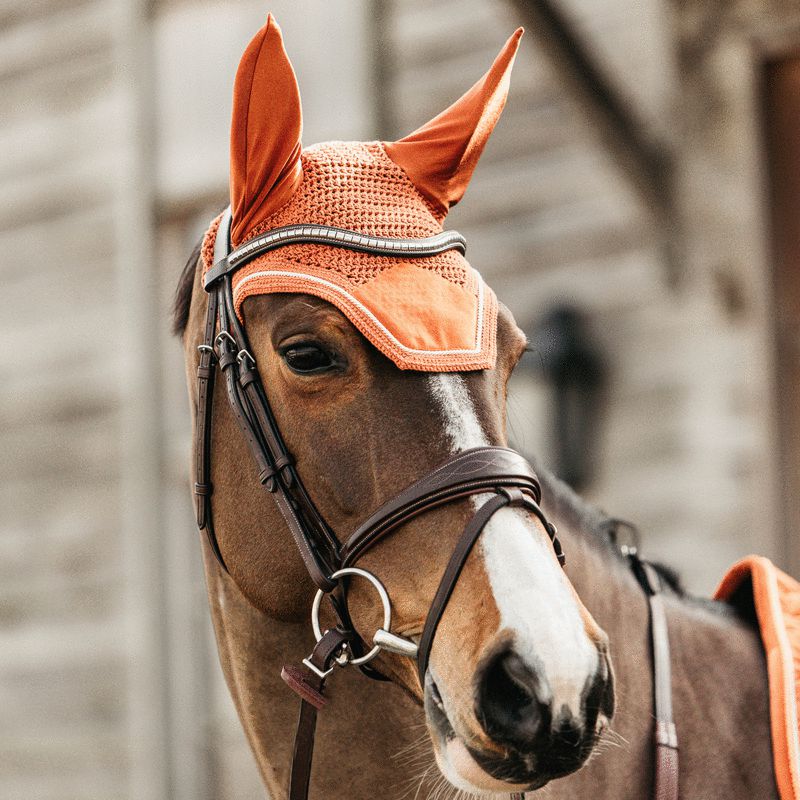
pixel 308 358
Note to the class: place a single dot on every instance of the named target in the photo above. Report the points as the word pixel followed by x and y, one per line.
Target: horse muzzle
pixel 525 741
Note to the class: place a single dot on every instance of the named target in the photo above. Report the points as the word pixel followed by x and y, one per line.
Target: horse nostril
pixel 511 704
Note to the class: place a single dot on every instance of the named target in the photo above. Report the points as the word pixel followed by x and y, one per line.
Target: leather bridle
pixel 497 471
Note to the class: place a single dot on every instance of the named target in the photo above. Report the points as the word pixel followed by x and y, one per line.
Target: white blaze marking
pixel 460 422
pixel 535 602
pixel 529 588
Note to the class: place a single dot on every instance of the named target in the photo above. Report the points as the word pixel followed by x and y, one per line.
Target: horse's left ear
pixel 265 132
pixel 441 156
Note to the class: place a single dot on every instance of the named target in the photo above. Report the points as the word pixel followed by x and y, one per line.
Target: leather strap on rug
pixel 776 598
pixel 665 734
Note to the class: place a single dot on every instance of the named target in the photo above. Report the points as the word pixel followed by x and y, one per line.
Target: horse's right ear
pixel 441 156
pixel 265 132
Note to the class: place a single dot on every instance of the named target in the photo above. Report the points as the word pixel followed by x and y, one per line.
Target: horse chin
pixel 489 771
pixel 458 765
pixel 459 762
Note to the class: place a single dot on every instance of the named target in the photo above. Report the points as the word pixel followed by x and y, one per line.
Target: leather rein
pixel 500 472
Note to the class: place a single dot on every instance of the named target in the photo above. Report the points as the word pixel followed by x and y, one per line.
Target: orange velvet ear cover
pixel 265 132
pixel 441 156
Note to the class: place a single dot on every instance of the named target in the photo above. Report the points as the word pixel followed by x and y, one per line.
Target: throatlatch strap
pixel 203 489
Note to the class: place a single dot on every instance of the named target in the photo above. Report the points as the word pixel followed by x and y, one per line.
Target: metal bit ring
pixel 385 602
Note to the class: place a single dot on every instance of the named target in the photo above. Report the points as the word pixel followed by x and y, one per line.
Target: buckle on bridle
pixel 318 672
pixel 223 336
pixel 245 354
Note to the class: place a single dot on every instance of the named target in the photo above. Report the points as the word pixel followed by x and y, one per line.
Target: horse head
pixel 378 370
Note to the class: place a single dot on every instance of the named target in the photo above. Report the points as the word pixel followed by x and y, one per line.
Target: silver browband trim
pixel 336 237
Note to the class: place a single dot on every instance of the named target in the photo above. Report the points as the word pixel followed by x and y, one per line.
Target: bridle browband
pixel 497 471
pixel 335 237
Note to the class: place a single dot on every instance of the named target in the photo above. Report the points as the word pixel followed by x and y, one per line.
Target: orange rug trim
pixel 776 597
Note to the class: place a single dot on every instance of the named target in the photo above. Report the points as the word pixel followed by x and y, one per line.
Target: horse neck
pixel 719 682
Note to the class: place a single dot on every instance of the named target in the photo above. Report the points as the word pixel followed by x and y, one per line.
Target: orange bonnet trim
pixel 413 316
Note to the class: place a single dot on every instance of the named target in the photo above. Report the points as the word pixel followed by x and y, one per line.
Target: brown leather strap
pixel 667 768
pixel 205 391
pixel 502 472
pixel 231 352
pixel 280 476
pixel 321 657
pixel 506 497
pixel 471 472
pixel 450 576
pixel 203 489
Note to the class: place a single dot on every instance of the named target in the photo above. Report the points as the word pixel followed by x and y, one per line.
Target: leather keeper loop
pixel 267 478
pixel 203 489
pixel 247 376
pixel 226 359
pixel 283 461
pixel 514 495
pixel 204 372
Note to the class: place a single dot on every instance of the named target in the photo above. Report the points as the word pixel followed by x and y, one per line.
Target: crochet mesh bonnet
pixel 433 313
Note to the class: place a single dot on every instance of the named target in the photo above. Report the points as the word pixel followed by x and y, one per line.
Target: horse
pixel 520 692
